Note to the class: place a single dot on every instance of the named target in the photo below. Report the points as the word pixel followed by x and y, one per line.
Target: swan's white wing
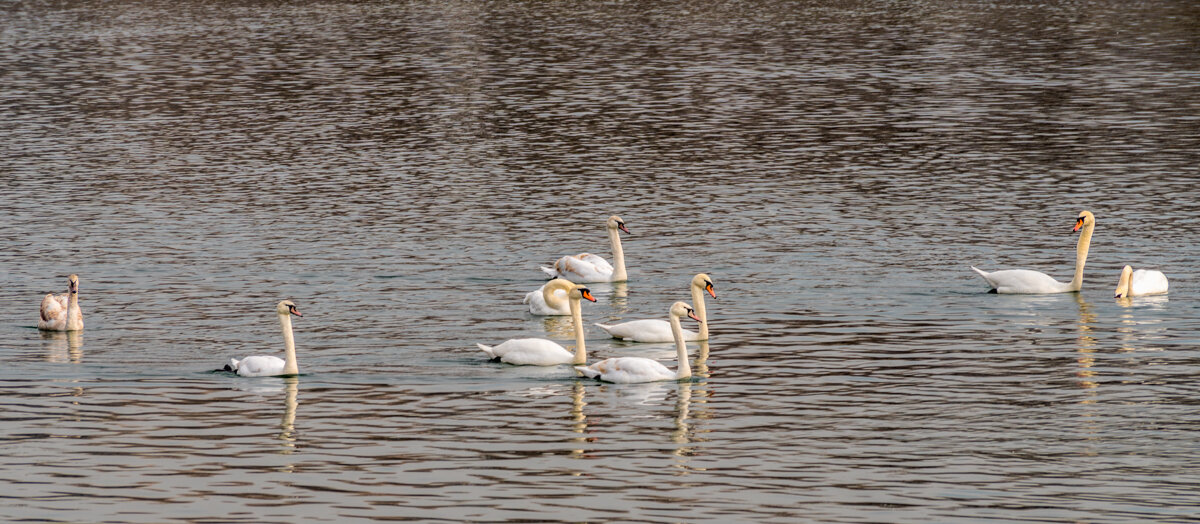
pixel 580 271
pixel 538 306
pixel 1022 281
pixel 260 366
pixel 1148 282
pixel 53 313
pixel 628 370
pixel 646 331
pixel 597 261
pixel 531 352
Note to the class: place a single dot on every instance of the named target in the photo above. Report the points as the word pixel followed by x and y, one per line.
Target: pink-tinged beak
pixel 692 315
pixel 623 228
pixel 295 311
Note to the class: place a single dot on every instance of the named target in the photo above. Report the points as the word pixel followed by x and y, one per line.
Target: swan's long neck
pixel 1081 252
pixel 74 315
pixel 553 299
pixel 289 346
pixel 619 274
pixel 577 318
pixel 698 302
pixel 684 368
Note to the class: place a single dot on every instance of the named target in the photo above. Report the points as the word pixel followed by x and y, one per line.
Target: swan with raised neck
pixel 269 365
pixel 638 369
pixel 543 352
pixel 1027 281
pixel 657 330
pixel 62 313
pixel 586 267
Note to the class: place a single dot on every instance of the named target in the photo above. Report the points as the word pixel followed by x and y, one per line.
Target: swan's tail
pixel 981 272
pixel 487 349
pixel 529 296
pixel 232 366
pixel 551 272
pixel 588 372
pixel 607 329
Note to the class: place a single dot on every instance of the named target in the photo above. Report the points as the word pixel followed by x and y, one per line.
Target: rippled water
pixel 400 171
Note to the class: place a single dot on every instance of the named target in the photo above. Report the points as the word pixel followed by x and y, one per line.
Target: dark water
pixel 400 171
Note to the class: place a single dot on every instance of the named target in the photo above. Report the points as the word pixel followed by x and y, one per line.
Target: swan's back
pixel 580 270
pixel 53 312
pixel 259 366
pixel 1021 281
pixel 1149 282
pixel 647 330
pixel 627 370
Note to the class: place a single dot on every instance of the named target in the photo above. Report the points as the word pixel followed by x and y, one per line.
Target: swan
pixel 550 299
pixel 542 352
pixel 656 330
pixel 627 370
pixel 586 267
pixel 1026 281
pixel 269 365
pixel 1141 282
pixel 62 313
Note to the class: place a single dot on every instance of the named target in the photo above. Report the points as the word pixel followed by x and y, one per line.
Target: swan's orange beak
pixel 587 293
pixel 621 226
pixel 1078 224
pixel 709 288
pixel 692 315
pixel 294 311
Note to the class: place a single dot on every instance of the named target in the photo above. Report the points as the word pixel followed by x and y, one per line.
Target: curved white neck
pixel 577 319
pixel 1081 253
pixel 684 368
pixel 553 299
pixel 289 346
pixel 698 302
pixel 619 275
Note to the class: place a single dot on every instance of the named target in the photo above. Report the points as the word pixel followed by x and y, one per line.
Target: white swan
pixel 1141 282
pixel 656 330
pixel 542 352
pixel 550 299
pixel 586 267
pixel 627 370
pixel 1026 281
pixel 268 365
pixel 62 313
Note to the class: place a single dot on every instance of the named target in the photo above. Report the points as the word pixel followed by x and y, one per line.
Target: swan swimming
pixel 1140 282
pixel 269 365
pixel 657 330
pixel 586 267
pixel 628 370
pixel 62 313
pixel 543 352
pixel 1027 281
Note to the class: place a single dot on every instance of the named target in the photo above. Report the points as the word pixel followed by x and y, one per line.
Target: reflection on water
pixel 402 168
pixel 63 346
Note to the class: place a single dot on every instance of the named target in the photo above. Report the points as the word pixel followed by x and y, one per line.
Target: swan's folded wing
pixel 53 308
pixel 596 261
pixel 579 271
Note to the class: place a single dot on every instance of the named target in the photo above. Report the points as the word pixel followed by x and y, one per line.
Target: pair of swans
pixel 1141 282
pixel 61 312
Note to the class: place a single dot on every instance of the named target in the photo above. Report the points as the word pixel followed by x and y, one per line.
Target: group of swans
pixel 562 296
pixel 1132 283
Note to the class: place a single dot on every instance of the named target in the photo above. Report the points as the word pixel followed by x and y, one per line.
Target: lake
pixel 400 170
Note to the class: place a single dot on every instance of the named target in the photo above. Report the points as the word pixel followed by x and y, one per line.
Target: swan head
pixel 615 222
pixel 1123 284
pixel 581 292
pixel 287 307
pixel 703 281
pixel 73 284
pixel 682 309
pixel 1086 218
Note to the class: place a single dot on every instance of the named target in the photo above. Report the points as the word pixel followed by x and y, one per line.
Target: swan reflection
pixel 287 426
pixel 63 346
pixel 1087 346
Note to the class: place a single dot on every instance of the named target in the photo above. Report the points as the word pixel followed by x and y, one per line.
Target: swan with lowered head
pixel 269 365
pixel 586 267
pixel 550 299
pixel 1026 281
pixel 656 330
pixel 1141 282
pixel 543 352
pixel 628 370
pixel 62 313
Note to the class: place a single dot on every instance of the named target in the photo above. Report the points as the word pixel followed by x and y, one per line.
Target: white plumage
pixel 61 312
pixel 543 352
pixel 628 370
pixel 1141 282
pixel 656 330
pixel 268 365
pixel 1027 281
pixel 586 267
